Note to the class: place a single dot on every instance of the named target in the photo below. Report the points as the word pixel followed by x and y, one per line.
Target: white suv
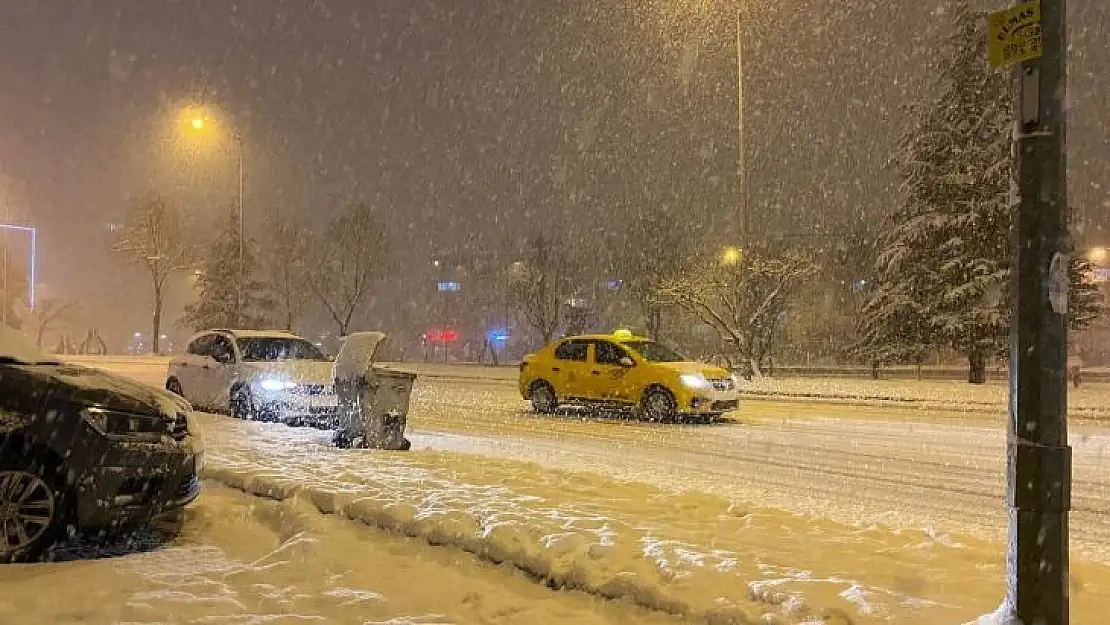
pixel 264 375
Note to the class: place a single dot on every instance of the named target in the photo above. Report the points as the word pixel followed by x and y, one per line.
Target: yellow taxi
pixel 626 371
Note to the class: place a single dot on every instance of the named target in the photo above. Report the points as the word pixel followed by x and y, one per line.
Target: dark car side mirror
pixel 625 361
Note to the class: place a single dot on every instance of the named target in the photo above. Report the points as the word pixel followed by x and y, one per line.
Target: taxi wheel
pixel 543 398
pixel 658 405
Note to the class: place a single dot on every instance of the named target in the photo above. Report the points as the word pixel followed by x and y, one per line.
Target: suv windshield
pixel 654 352
pixel 265 349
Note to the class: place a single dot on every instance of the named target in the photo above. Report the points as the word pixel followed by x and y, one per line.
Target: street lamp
pixel 32 269
pixel 741 173
pixel 731 255
pixel 198 123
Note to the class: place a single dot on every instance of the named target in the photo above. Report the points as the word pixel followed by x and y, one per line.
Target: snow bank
pixel 1092 400
pixel 690 554
pixel 238 559
pixel 1002 616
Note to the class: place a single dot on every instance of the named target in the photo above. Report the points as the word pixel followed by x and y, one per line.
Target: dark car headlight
pixel 117 423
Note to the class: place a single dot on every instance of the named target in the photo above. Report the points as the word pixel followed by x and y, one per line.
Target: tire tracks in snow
pixel 903 467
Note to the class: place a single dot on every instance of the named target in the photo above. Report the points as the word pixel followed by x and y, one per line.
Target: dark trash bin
pixel 373 400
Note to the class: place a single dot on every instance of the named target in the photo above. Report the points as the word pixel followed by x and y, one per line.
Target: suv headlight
pixel 274 384
pixel 116 423
pixel 694 380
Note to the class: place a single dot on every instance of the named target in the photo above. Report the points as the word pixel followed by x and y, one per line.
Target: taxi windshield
pixel 654 352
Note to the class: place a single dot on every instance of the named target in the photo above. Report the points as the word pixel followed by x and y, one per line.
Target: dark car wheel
pixel 658 405
pixel 32 508
pixel 173 386
pixel 544 400
pixel 242 404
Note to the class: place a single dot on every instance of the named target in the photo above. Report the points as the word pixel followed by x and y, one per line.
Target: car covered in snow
pixel 86 450
pixel 256 374
pixel 623 370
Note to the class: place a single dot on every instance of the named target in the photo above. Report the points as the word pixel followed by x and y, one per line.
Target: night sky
pixel 471 123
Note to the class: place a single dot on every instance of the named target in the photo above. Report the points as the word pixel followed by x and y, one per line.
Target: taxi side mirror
pixel 625 361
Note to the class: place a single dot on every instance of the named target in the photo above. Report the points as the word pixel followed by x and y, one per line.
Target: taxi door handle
pixel 595 373
pixel 554 368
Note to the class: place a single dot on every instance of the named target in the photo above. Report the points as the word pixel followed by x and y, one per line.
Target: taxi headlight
pixel 694 381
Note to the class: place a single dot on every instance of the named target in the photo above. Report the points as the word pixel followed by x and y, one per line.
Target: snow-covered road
pixel 786 512
pixel 902 467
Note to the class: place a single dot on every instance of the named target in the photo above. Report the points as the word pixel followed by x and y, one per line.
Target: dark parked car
pixel 82 450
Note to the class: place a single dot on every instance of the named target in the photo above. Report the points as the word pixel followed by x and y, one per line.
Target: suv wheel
pixel 242 404
pixel 31 509
pixel 543 398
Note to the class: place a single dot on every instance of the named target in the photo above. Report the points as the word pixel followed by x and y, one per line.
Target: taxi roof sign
pixel 623 333
pixel 1014 35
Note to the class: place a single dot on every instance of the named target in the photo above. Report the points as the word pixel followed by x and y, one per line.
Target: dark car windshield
pixel 654 352
pixel 266 349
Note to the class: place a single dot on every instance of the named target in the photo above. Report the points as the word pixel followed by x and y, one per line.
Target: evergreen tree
pixel 944 270
pixel 218 283
pixel 1085 300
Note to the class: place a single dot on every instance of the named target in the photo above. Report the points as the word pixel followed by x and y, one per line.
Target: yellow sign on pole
pixel 1014 35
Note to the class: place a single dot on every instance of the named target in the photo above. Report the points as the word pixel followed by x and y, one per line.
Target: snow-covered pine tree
pixel 943 264
pixel 944 269
pixel 218 287
pixel 1085 301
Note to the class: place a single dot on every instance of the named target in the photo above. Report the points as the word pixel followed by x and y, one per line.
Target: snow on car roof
pixel 250 334
pixel 263 334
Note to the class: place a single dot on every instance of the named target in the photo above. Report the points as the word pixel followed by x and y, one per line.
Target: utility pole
pixel 5 268
pixel 242 268
pixel 1038 458
pixel 5 290
pixel 741 169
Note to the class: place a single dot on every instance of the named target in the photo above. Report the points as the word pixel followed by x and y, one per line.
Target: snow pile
pixel 240 559
pixel 692 555
pixel 1002 616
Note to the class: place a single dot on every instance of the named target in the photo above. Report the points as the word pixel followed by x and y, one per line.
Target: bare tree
pixel 541 284
pixel 286 261
pixel 155 236
pixel 46 314
pixel 744 301
pixel 654 251
pixel 345 261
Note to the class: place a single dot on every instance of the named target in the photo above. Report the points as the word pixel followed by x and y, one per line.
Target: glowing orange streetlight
pixel 731 256
pixel 198 121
